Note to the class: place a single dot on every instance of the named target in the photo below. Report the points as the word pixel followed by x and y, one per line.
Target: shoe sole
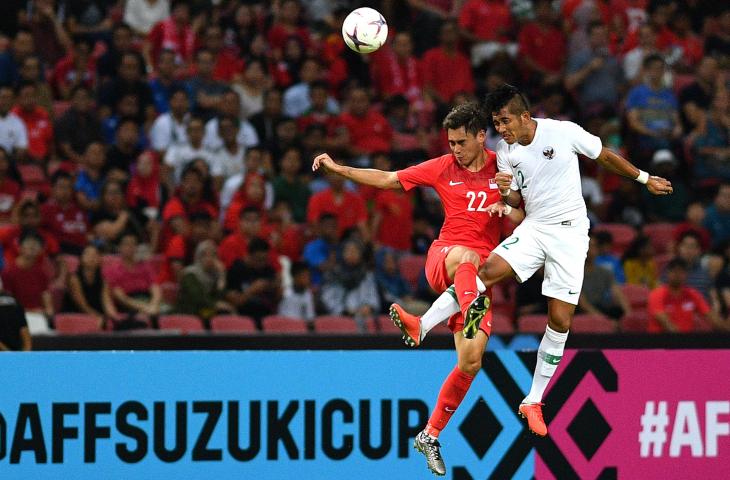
pixel 419 450
pixel 395 317
pixel 519 412
pixel 476 314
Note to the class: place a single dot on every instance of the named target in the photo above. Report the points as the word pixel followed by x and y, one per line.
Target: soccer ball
pixel 364 30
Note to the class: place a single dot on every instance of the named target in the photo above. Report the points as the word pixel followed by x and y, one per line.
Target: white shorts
pixel 560 247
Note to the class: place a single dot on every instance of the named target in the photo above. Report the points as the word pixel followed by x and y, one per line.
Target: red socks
pixel 452 393
pixel 465 282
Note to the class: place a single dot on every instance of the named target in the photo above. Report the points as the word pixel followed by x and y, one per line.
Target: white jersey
pixel 546 171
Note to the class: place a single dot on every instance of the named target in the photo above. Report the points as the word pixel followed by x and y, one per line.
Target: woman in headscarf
pixel 202 284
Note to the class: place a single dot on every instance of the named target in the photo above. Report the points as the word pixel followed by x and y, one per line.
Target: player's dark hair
pixel 652 58
pixel 298 267
pixel 595 24
pixel 61 175
pixel 468 115
pixel 327 216
pixel 31 234
pixel 692 234
pixel 506 96
pixel 201 216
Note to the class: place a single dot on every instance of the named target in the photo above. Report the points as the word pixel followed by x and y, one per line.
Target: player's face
pixel 511 127
pixel 466 147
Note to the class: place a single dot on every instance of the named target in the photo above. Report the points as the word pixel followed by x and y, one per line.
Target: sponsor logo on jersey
pixel 493 184
pixel 548 153
pixel 453 183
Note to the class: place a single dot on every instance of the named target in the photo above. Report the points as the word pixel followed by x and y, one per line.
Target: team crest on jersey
pixel 548 152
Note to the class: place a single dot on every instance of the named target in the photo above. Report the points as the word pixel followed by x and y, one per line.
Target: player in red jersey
pixel 464 181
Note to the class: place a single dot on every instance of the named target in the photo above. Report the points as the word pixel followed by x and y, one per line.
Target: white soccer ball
pixel 364 30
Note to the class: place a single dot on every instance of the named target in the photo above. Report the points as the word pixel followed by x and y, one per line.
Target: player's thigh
pixel 565 263
pixel 522 251
pixel 457 255
pixel 469 352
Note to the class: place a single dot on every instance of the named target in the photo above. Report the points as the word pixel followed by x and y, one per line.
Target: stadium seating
pixel 335 324
pixel 386 325
pixel 532 323
pixel 622 235
pixel 74 323
pixel 591 323
pixel 282 324
pixel 184 323
pixel 636 295
pixel 411 267
pixel 232 323
pixel 661 236
pixel 502 324
pixel 634 322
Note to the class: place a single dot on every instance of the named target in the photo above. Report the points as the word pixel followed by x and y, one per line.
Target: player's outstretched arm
pixel 614 162
pixel 364 176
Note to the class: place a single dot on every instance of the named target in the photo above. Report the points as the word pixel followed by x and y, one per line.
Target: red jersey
pixel 680 307
pixel 460 77
pixel 486 19
pixel 465 197
pixel 396 223
pixel 9 195
pixel 27 284
pixel 40 131
pixel 68 225
pixel 370 133
pixel 547 47
pixel 349 208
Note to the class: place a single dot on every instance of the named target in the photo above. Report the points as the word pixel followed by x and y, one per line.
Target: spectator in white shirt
pixel 171 128
pixel 296 98
pixel 230 105
pixel 257 160
pixel 13 134
pixel 142 15
pixel 228 159
pixel 298 300
pixel 179 155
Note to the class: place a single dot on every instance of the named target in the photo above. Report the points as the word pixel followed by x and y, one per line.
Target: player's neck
pixel 478 163
pixel 529 134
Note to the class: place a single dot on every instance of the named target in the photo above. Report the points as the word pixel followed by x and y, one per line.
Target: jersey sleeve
pixel 583 142
pixel 656 302
pixel 503 165
pixel 425 173
pixel 702 307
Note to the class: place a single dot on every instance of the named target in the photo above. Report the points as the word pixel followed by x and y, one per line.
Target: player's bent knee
pixel 470 256
pixel 560 323
pixel 470 366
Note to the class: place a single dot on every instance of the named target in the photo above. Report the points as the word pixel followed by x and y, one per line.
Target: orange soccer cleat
pixel 533 413
pixel 409 325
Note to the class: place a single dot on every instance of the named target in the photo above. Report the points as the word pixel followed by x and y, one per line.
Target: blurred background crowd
pixel 154 154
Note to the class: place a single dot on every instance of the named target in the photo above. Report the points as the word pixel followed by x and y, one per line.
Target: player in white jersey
pixel 538 163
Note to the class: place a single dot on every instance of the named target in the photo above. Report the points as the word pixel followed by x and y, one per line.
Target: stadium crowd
pixel 154 154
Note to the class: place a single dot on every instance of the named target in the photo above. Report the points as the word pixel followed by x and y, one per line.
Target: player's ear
pixel 482 136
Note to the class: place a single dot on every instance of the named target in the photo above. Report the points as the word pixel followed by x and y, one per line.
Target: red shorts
pixel 438 279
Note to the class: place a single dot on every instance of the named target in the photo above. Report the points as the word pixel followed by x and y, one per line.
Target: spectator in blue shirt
pixel 717 216
pixel 606 258
pixel 90 179
pixel 653 112
pixel 321 253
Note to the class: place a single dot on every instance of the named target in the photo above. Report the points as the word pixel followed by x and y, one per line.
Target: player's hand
pixel 499 208
pixel 324 161
pixel 659 186
pixel 504 182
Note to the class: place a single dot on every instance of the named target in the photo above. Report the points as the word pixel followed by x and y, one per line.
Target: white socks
pixel 442 309
pixel 548 357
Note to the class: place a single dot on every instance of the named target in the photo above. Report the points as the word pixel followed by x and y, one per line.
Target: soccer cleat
pixel 431 449
pixel 474 315
pixel 533 413
pixel 409 325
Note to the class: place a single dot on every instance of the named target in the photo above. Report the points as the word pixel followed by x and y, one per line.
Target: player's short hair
pixel 691 234
pixel 506 96
pixel 257 245
pixel 30 234
pixel 61 175
pixel 249 209
pixel 468 115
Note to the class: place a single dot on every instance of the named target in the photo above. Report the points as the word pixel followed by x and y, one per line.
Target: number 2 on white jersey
pixel 472 196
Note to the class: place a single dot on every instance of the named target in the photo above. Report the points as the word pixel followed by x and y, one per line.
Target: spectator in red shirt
pixel 364 130
pixel 690 43
pixel 543 46
pixel 37 122
pixel 133 283
pixel 286 25
pixel 673 307
pixel 694 222
pixel 348 207
pixel 487 23
pixel 76 68
pixel 228 66
pixel 62 217
pixel 9 187
pixel 252 193
pixel 179 251
pixel 447 71
pixel 235 246
pixel 28 216
pixel 176 33
pixel 28 279
pixel 392 219
pixel 188 200
pixel 396 70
